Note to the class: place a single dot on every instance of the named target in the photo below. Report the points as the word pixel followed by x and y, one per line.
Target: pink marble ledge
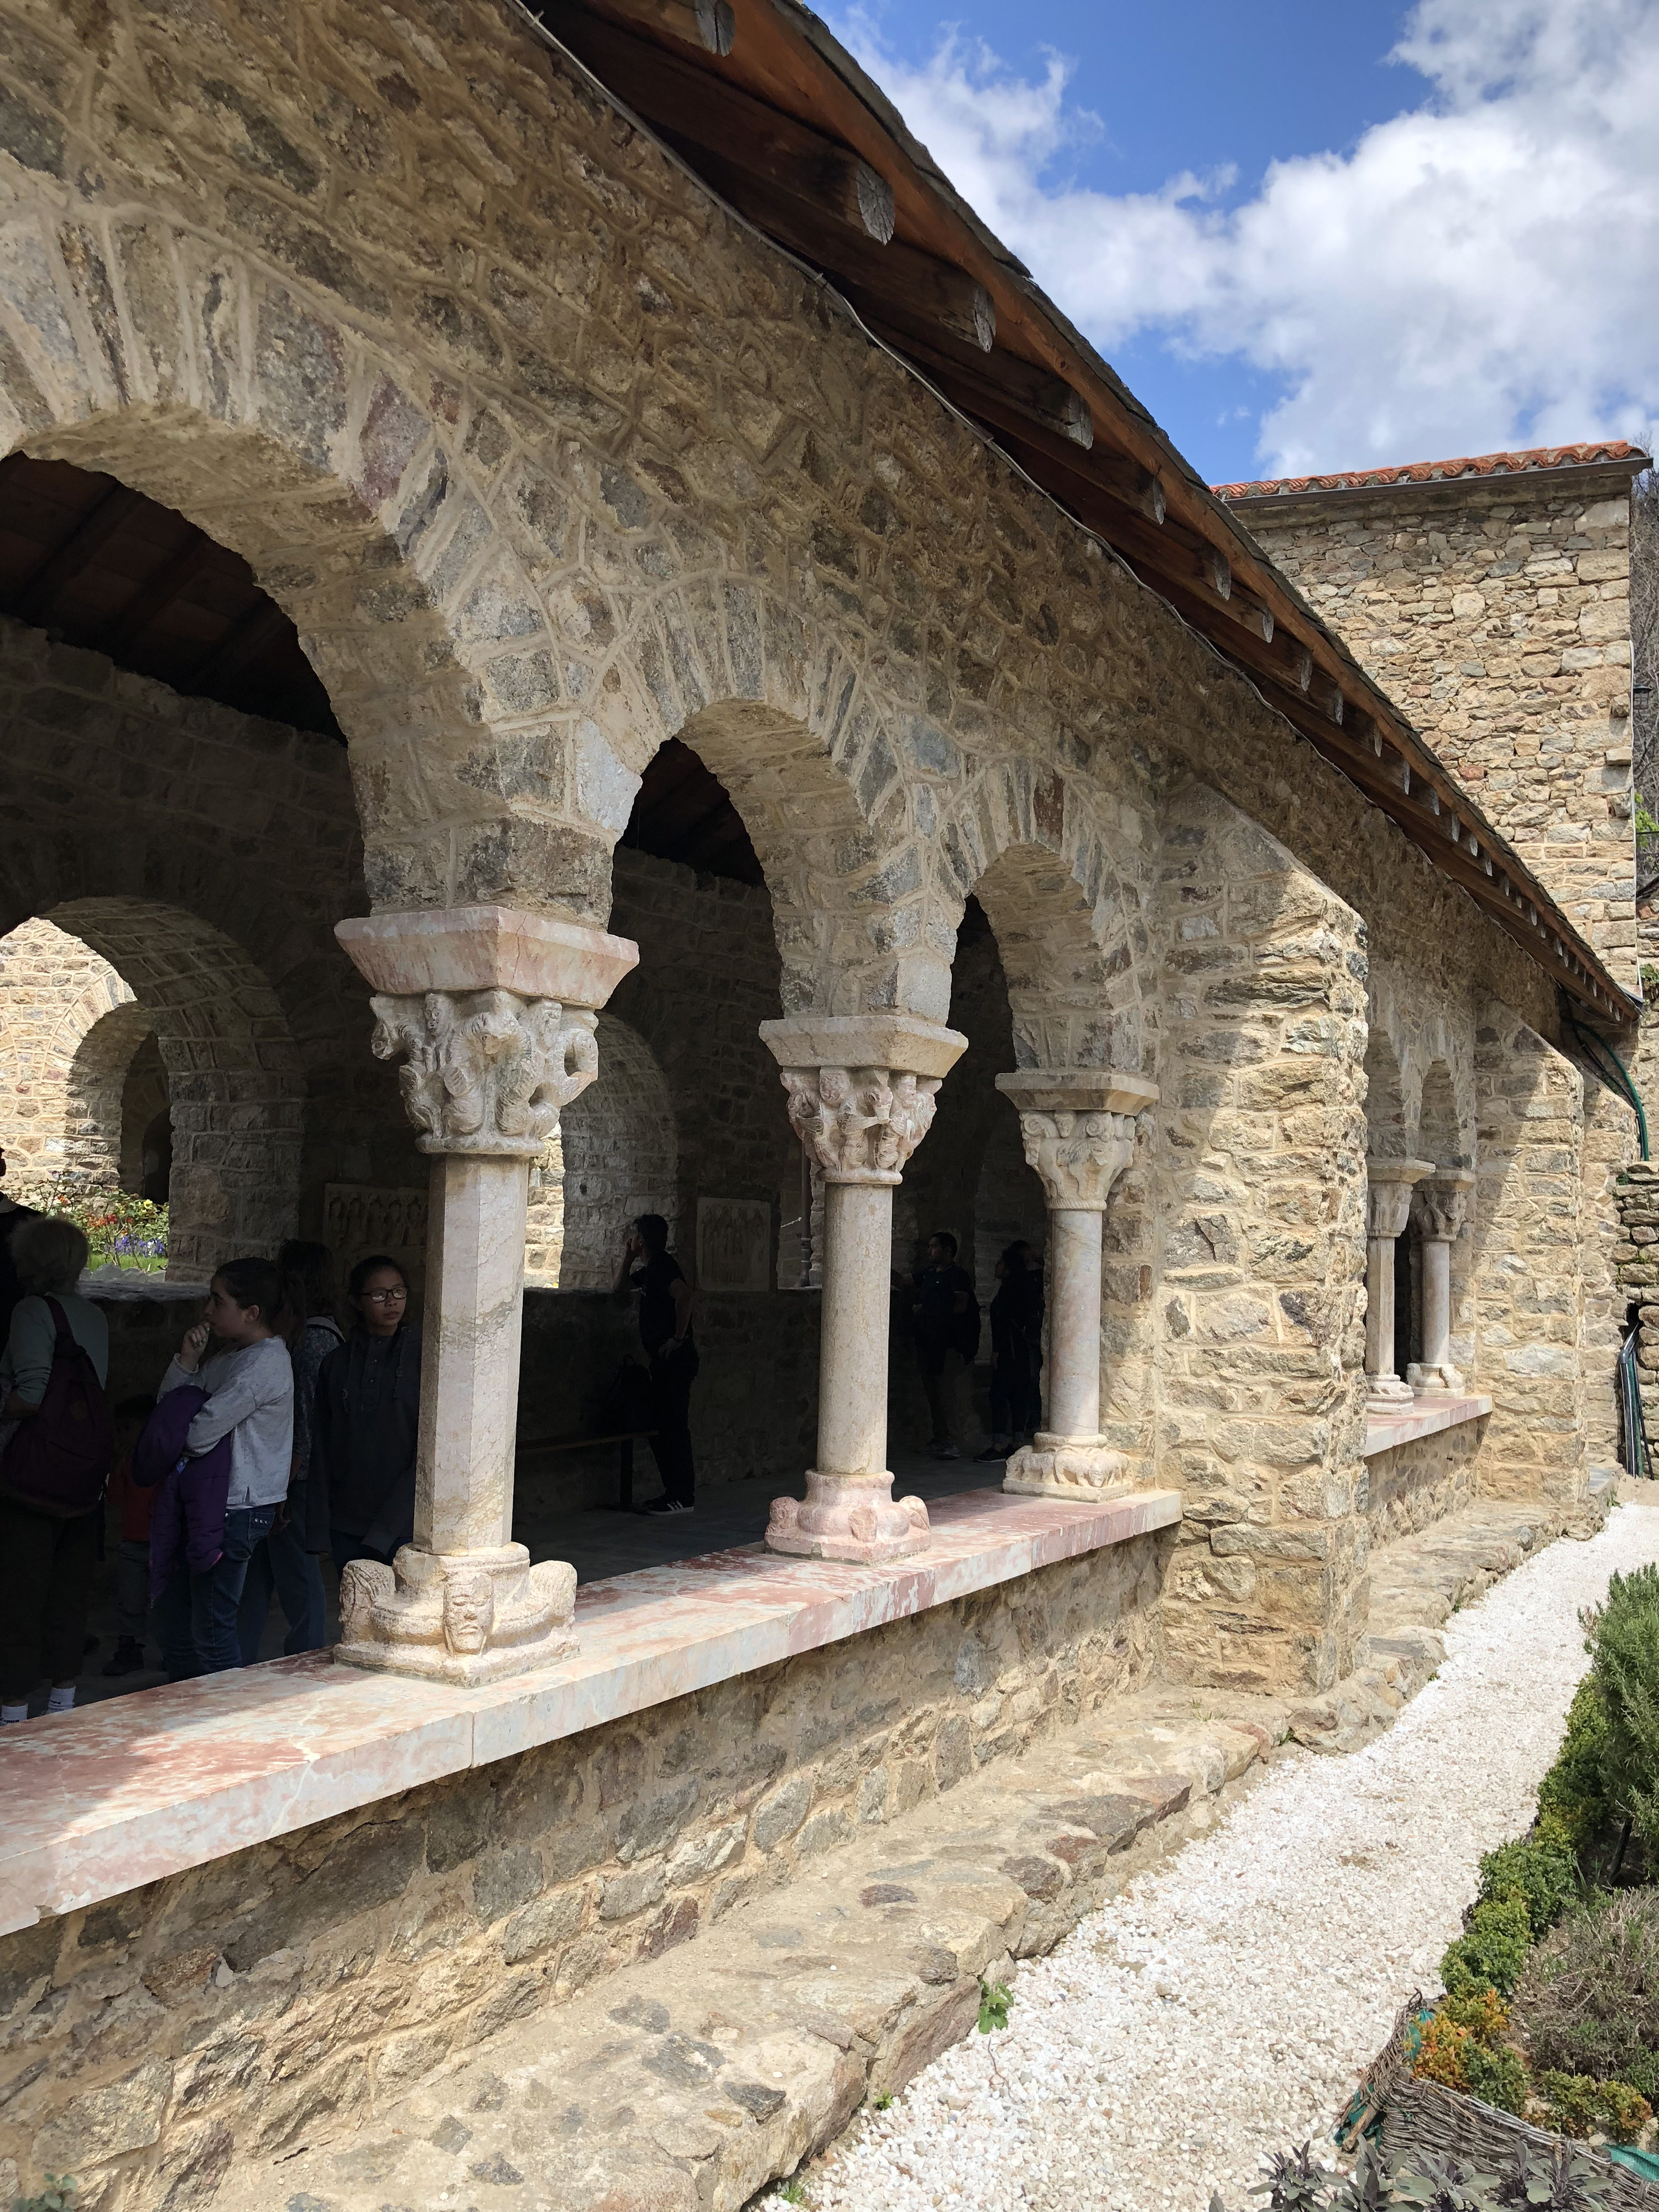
pixel 1436 1411
pixel 98 1801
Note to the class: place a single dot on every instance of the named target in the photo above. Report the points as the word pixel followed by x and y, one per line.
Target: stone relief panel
pixel 734 1244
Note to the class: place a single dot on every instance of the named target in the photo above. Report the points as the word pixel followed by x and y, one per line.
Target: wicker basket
pixel 1425 2116
pixel 1420 2115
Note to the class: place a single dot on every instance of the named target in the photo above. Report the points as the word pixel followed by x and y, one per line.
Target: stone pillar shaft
pixel 1443 1198
pixel 1074 1275
pixel 858 1239
pixel 860 1091
pixel 470 1353
pixel 1388 1204
pixel 1078 1126
pixel 491 1012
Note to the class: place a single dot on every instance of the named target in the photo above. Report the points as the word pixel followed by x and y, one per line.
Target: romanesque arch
pixel 236 1089
pixel 69 1026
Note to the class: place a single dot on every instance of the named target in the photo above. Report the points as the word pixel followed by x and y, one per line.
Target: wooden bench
pixel 625 1439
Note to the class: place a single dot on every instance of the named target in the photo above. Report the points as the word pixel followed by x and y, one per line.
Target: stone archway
pixel 236 1094
pixel 68 1027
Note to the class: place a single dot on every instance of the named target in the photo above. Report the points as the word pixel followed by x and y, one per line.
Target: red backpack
pixel 60 1458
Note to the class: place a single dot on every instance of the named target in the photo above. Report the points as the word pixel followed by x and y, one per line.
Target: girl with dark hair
pixel 286 1562
pixel 249 1380
pixel 365 1421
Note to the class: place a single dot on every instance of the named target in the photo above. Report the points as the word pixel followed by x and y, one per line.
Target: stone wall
pixel 204 856
pixel 69 1030
pixel 1527 1229
pixel 1636 1261
pixel 1496 609
pixel 1417 1484
pixel 1260 1173
pixel 281 1994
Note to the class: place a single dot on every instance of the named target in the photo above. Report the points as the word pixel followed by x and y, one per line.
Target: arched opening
pixel 615 1156
pixel 227 1138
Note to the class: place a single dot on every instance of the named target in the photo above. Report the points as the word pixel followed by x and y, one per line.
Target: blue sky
pixel 1314 236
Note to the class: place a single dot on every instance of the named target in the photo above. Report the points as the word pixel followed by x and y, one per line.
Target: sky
pixel 1316 234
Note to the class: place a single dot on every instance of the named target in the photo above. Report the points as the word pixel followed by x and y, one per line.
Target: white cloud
pixel 1482 271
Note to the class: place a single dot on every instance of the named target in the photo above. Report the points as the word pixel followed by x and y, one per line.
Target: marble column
pixel 491 1012
pixel 1388 1190
pixel 860 1091
pixel 1442 1197
pixel 1078 1125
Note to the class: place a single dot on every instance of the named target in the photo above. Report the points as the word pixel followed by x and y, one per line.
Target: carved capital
pixel 1077 1157
pixel 1078 1126
pixel 1388 1190
pixel 1443 1200
pixel 860 1124
pixel 486 1071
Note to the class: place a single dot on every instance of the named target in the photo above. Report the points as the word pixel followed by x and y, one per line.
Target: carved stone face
pixel 469 1612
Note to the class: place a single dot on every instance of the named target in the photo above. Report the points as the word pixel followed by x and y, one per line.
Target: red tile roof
pixel 1415 472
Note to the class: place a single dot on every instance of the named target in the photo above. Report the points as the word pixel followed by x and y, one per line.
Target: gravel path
pixel 1220 2008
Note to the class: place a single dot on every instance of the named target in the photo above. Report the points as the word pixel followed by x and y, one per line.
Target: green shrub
pixel 1492 1950
pixel 1539 1870
pixel 1572 1798
pixel 1579 2105
pixel 1497 2076
pixel 1588 2001
pixel 1623 1640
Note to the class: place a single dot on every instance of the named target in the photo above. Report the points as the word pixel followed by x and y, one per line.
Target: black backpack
pixel 60 1458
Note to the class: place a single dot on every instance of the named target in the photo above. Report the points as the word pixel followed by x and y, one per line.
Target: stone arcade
pixel 819 764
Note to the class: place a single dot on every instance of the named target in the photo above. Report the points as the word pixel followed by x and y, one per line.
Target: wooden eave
pixel 1039 390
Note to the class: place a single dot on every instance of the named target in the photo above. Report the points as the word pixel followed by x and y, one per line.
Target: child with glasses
pixel 365 1421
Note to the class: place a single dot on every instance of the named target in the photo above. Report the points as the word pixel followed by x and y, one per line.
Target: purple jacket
pixel 188 1521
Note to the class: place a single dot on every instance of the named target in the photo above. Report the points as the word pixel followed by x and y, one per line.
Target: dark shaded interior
pixel 95 563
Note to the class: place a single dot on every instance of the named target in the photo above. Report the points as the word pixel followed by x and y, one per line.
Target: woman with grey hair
pixel 45 1559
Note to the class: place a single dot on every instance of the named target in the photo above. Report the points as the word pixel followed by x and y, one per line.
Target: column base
pixel 854 1518
pixel 1080 1468
pixel 1387 1394
pixel 1426 1382
pixel 463 1617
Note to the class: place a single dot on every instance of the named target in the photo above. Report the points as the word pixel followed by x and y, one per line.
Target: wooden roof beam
pixel 696 109
pixel 706 26
pixel 84 540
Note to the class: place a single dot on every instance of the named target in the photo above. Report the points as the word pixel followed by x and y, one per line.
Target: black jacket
pixel 364 1429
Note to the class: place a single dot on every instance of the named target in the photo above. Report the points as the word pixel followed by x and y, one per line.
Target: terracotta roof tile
pixel 1535 458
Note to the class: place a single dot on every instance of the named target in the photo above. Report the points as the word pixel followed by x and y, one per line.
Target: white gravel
pixel 1222 2006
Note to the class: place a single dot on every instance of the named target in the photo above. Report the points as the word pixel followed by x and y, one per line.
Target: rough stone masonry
pixel 550 459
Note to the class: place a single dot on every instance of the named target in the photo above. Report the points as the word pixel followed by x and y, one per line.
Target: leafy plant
pixel 1563 2181
pixel 1483 2011
pixel 1624 1642
pixel 1497 2076
pixel 58 2195
pixel 118 1224
pixel 1579 2104
pixel 1541 1870
pixel 1492 1949
pixel 1588 2003
pixel 1572 1799
pixel 994 1999
pixel 884 2102
pixel 794 2192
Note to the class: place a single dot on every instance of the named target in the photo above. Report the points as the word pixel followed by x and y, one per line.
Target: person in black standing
pixel 12 1216
pixel 649 1267
pixel 365 1422
pixel 946 1314
pixel 1016 1350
